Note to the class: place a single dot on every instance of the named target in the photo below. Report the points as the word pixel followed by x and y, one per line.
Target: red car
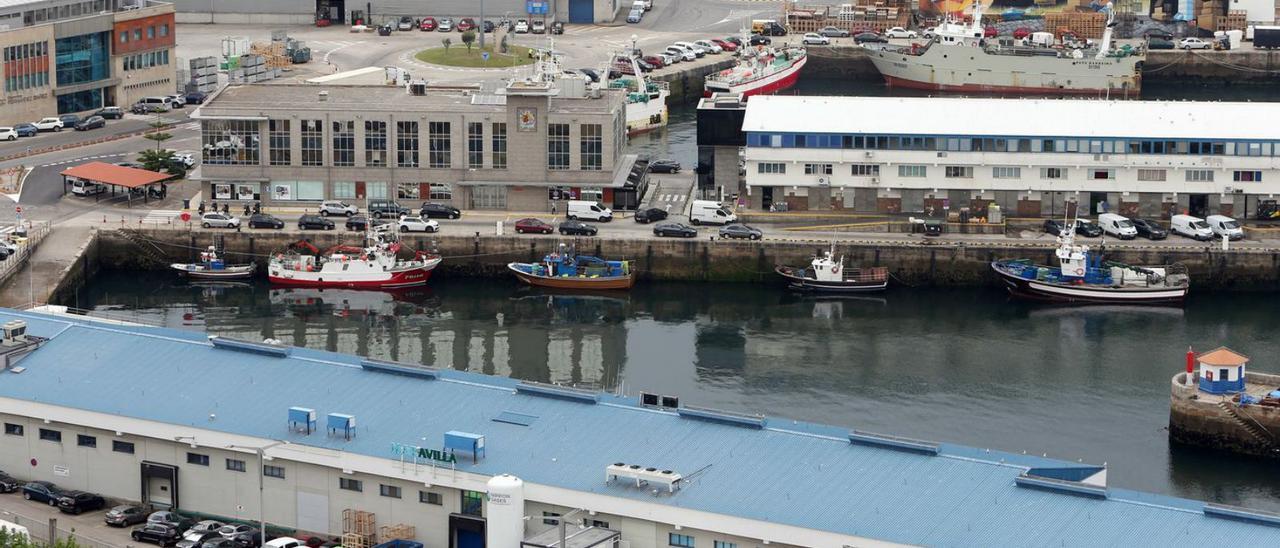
pixel 1021 32
pixel 535 226
pixel 725 44
pixel 654 60
pixel 466 24
pixel 990 32
pixel 428 23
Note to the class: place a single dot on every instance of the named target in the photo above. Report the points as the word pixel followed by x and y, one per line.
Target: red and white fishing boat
pixel 375 266
pixel 761 70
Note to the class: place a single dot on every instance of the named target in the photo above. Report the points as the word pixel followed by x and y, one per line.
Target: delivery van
pixel 710 212
pixel 1222 225
pixel 585 210
pixel 1118 226
pixel 1191 227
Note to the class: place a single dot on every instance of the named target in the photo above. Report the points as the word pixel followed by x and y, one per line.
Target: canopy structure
pixel 131 180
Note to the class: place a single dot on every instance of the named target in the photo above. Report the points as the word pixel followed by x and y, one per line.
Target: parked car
pixel 406 23
pixel 634 16
pixel 1087 228
pixel 428 24
pixel 488 26
pixel 725 44
pixel 813 38
pixel 76 502
pixel 9 484
pixel 147 108
pixel 760 40
pixel 386 208
pixel 675 230
pixel 649 215
pixel 51 123
pixel 1160 43
pixel 1191 227
pixel 1159 33
pixel 522 27
pixel 740 231
pixel 664 166
pixel 26 130
pixel 1117 225
pixel 577 228
pixel 869 38
pixel 110 113
pixel 899 32
pixel 196 97
pixel 335 207
pixel 125 515
pixel 158 533
pixel 535 226
pixel 697 50
pixel 667 58
pixel 264 220
pixel 248 539
pixel 417 224
pixel 681 53
pixel 314 222
pixel 465 24
pixel 185 157
pixel 432 211
pixel 221 543
pixel 833 32
pixel 41 491
pixel 92 122
pixel 538 26
pixel 177 100
pixel 557 28
pixel 8 134
pixel 193 538
pixel 230 530
pixel 711 46
pixel 654 60
pixel 1222 225
pixel 1194 43
pixel 69 120
pixel 219 220
pixel 385 30
pixel 990 32
pixel 445 25
pixel 1149 229
pixel 357 222
pixel 1021 32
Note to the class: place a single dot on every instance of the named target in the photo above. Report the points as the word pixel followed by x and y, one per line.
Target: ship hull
pixel 234 272
pixel 773 83
pixel 797 281
pixel 642 117
pixel 620 282
pixel 410 277
pixel 1007 74
pixel 1085 294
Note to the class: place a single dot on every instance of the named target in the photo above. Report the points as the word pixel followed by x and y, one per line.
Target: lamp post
pixel 262 454
pixel 495 29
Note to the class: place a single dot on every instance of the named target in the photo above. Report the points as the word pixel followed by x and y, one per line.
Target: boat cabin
pixel 1222 371
pixel 828 268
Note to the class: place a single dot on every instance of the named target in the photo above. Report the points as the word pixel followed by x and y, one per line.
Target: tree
pixel 157 135
pixel 447 42
pixel 157 160
pixel 9 540
pixel 469 38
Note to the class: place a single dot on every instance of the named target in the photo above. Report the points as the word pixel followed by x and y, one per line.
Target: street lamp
pixel 262 453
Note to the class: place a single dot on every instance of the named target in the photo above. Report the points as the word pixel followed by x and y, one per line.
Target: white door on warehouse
pixel 313 512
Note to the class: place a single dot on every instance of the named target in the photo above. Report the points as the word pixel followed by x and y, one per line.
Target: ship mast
pixel 1106 35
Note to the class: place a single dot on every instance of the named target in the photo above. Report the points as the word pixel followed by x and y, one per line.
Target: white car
pixel 698 51
pixel 681 53
pixel 335 207
pixel 219 220
pixel 418 224
pixel 813 38
pixel 714 47
pixel 899 32
pixel 7 248
pixel 668 59
pixel 52 123
pixel 8 133
pixel 929 32
pixel 187 157
pixel 1194 43
pixel 177 100
pixel 522 27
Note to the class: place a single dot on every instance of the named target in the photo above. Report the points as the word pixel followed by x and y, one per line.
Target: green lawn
pixel 457 56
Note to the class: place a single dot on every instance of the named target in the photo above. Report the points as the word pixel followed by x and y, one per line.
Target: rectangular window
pixel 375 143
pixel 198 459
pixel 124 37
pixel 472 503
pixel 1151 175
pixel 312 143
pixel 50 435
pixel 273 471
pixel 86 441
pixel 771 167
pixel 164 30
pixel 959 172
pixel 1246 176
pixel 406 144
pixel 428 497
pixel 278 144
pixel 12 429
pixel 344 143
pixel 817 169
pixel 440 191
pixel 407 191
pixel 865 170
pixel 230 142
pixel 151 32
pixel 591 147
pixel 1006 172
pixel 546 518
pixel 235 465
pixel 344 190
pixel 557 146
pixel 439 143
pixel 679 540
pixel 912 171
pixel 1053 173
pixel 595 523
pixel 1199 175
pixel 122 446
pixel 475 145
pixel 499 146
pixel 375 191
pixel 350 484
pixel 1102 174
pixel 84 58
pixel 724 544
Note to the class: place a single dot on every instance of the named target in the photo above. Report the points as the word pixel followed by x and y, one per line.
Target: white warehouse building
pixel 1034 157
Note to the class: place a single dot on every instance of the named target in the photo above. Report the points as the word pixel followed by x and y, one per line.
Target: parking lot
pixel 88 528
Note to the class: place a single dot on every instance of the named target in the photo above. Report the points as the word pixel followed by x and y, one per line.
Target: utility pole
pixel 262 454
pixel 495 28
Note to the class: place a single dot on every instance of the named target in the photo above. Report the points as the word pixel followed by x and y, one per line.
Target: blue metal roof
pixel 799 474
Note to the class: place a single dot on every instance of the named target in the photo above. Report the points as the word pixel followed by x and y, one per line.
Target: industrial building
pixel 459 460
pixel 1031 156
pixel 523 147
pixel 340 12
pixel 74 56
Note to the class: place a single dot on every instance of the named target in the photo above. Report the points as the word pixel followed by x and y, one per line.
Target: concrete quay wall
pixel 685 79
pixel 1197 419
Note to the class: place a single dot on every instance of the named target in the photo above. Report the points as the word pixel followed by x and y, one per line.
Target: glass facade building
pixel 82 59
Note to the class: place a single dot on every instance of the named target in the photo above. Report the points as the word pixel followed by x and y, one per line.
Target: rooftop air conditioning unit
pixel 15 332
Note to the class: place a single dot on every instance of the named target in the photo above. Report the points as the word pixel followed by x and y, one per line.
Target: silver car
pixel 219 220
pixel 337 208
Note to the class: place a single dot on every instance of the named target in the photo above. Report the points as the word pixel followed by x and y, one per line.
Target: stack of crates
pixel 358 528
pixel 253 67
pixel 203 74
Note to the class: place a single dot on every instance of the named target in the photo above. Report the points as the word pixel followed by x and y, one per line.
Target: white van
pixel 1191 227
pixel 709 212
pixel 1118 226
pixel 15 531
pixel 1222 225
pixel 81 187
pixel 588 211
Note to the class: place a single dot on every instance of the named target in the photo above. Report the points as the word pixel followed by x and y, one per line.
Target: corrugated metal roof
pixel 1084 118
pixel 802 475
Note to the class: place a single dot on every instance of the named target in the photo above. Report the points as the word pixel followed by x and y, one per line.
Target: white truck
pixel 1222 225
pixel 586 210
pixel 710 212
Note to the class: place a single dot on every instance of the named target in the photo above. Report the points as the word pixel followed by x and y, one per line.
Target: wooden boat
pixel 211 267
pixel 827 274
pixel 565 269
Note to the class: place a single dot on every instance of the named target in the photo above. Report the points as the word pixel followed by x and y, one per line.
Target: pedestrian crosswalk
pixel 161 216
pixel 670 198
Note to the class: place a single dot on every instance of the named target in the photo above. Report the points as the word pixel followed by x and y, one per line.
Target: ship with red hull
pixel 373 266
pixel 760 71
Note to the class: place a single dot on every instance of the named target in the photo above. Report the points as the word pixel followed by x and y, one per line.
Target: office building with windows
pixel 523 148
pixel 1033 157
pixel 75 56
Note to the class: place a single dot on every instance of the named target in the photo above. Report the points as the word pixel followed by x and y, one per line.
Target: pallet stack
pixel 1209 13
pixel 358 529
pixel 1084 24
pixel 203 75
pixel 388 533
pixel 1234 20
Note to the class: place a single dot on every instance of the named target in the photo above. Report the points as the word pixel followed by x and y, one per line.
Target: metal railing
pixel 39 530
pixel 36 231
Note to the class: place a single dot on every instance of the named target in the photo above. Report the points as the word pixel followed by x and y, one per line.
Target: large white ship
pixel 958 58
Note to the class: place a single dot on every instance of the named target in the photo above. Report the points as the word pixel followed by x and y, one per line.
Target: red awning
pixel 111 174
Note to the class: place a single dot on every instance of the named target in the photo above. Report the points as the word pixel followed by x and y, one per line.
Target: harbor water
pixel 961 366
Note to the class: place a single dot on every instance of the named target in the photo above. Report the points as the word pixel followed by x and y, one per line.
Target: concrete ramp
pixel 49 267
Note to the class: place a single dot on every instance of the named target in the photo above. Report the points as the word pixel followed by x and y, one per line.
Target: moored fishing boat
pixel 212 267
pixel 761 70
pixel 827 274
pixel 646 99
pixel 564 269
pixel 374 266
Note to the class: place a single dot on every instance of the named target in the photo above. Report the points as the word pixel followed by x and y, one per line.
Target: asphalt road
pixel 68 138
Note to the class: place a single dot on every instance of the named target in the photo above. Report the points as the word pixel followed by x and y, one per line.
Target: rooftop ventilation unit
pixel 1241 514
pixel 15 333
pixel 302 419
pixel 396 368
pixel 723 417
pixel 343 425
pixel 558 392
pixel 418 87
pixel 1062 486
pixel 465 441
pixel 893 442
pixel 642 475
pixel 659 401
pixel 251 347
pixel 519 419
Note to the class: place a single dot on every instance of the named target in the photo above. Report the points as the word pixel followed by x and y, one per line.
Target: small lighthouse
pixel 1222 371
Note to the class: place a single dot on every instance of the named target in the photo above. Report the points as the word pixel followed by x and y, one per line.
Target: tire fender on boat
pixel 1079 272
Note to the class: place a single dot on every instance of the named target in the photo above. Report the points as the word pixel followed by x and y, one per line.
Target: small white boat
pixel 827 274
pixel 211 267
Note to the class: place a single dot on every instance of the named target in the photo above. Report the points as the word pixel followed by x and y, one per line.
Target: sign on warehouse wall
pixel 416 453
pixel 535 7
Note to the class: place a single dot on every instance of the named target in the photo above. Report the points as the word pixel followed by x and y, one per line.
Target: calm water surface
pixel 965 366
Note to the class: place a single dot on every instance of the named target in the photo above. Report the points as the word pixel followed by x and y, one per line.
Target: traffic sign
pixel 186 216
pixel 484 55
pixel 17 209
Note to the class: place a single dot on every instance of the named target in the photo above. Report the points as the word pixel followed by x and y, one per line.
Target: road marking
pixel 344 45
pixel 75 160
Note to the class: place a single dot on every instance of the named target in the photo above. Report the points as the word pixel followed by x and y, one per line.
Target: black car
pixel 557 28
pixel 314 222
pixel 387 208
pixel 1052 226
pixel 110 113
pixel 250 539
pixel 1088 229
pixel 172 519
pixel 92 122
pixel 577 228
pixel 432 211
pixel 1159 33
pixel 263 220
pixel 650 215
pixel 357 222
pixel 740 231
pixel 758 40
pixel 591 74
pixel 869 37
pixel 488 25
pixel 125 514
pixel 158 533
pixel 1149 229
pixel 193 538
pixel 75 502
pixel 219 543
pixel 677 230
pixel 69 120
pixel 195 98
pixel 645 65
pixel 1160 43
pixel 664 166
pixel 384 30
pixel 7 483
pixel 42 491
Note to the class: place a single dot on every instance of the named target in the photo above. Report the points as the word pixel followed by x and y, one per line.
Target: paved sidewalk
pixel 38 277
